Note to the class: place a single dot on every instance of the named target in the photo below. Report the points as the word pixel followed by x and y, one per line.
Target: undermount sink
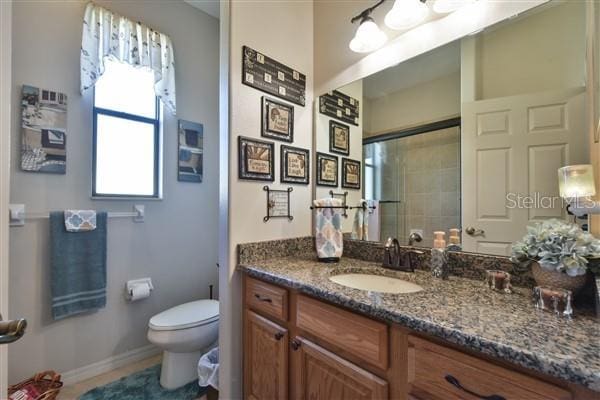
pixel 376 283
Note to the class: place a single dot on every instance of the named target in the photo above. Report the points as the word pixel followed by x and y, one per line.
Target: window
pixel 126 153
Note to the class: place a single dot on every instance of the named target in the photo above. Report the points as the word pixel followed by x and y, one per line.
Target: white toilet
pixel 184 333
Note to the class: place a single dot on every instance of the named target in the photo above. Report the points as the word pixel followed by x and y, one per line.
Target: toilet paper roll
pixel 139 292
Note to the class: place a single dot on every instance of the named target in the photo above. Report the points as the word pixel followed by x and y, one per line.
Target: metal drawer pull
pixel 455 382
pixel 265 299
pixel 295 344
pixel 278 336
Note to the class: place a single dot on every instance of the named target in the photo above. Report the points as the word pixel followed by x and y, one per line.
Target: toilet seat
pixel 184 316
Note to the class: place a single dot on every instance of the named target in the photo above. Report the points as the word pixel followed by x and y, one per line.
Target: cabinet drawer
pixel 270 299
pixel 432 370
pixel 355 334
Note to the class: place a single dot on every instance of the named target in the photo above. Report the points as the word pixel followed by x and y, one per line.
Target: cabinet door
pixel 265 359
pixel 319 374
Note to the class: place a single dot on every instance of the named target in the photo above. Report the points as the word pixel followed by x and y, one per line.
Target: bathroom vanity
pixel 308 337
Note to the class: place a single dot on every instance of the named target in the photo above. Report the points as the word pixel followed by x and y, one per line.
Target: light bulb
pixel 368 37
pixel 448 6
pixel 405 14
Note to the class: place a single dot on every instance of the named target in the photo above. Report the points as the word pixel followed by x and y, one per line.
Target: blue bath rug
pixel 143 385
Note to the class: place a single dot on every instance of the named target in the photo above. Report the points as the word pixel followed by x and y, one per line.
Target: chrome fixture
pixel 11 331
pixel 414 237
pixel 471 231
pixel 394 259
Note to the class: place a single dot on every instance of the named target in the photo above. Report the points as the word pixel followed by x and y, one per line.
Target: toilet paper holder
pixel 136 282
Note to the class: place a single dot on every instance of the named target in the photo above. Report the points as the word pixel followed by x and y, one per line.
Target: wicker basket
pixel 47 383
pixel 557 279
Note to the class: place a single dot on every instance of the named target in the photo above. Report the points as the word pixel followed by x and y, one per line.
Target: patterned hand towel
pixel 78 267
pixel 360 227
pixel 80 220
pixel 328 230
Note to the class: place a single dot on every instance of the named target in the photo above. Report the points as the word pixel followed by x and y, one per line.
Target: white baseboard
pixel 109 364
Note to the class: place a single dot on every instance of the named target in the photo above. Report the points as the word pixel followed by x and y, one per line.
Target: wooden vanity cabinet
pixel 302 348
pixel 321 374
pixel 265 358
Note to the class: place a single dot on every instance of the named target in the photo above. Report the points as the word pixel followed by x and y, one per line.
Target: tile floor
pixel 72 392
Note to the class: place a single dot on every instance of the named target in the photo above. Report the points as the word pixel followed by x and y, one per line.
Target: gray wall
pixel 176 246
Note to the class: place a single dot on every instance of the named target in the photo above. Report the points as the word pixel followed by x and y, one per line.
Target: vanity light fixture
pixel 368 36
pixel 576 185
pixel 448 6
pixel 406 14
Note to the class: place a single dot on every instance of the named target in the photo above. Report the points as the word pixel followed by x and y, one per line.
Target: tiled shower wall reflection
pixel 423 173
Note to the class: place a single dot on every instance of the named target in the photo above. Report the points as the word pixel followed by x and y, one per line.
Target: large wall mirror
pixel 468 136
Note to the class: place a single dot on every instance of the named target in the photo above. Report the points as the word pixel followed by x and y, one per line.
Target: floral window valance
pixel 107 35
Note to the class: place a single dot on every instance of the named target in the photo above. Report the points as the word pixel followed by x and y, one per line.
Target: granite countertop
pixel 458 310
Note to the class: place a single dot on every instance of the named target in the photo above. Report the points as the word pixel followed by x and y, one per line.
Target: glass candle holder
pixel 498 280
pixel 554 300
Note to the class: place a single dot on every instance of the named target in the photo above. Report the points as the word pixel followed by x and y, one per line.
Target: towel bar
pixel 17 214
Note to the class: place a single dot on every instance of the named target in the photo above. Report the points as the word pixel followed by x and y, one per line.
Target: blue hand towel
pixel 78 265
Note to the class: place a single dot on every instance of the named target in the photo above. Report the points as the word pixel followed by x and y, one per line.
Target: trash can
pixel 208 369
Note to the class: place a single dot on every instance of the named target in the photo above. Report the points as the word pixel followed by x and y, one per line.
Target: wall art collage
pixel 341 108
pixel 256 158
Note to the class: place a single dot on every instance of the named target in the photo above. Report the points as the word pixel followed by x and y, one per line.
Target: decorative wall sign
pixel 277 120
pixel 340 106
pixel 295 165
pixel 327 170
pixel 256 159
pixel 43 130
pixel 278 203
pixel 191 148
pixel 339 138
pixel 267 75
pixel 350 173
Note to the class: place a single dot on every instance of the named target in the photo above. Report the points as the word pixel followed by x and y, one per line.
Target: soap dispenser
pixel 439 262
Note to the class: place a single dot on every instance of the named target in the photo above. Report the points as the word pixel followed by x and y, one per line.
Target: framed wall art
pixel 327 170
pixel 340 106
pixel 277 120
pixel 256 159
pixel 350 173
pixel 339 138
pixel 43 130
pixel 278 203
pixel 272 77
pixel 191 148
pixel 295 165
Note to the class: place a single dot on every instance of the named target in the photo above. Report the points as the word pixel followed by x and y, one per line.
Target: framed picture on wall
pixel 327 170
pixel 295 165
pixel 191 148
pixel 350 173
pixel 277 120
pixel 339 138
pixel 256 159
pixel 43 130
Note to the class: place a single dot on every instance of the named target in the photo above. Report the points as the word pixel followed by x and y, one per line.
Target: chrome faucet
pixel 414 237
pixel 392 256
